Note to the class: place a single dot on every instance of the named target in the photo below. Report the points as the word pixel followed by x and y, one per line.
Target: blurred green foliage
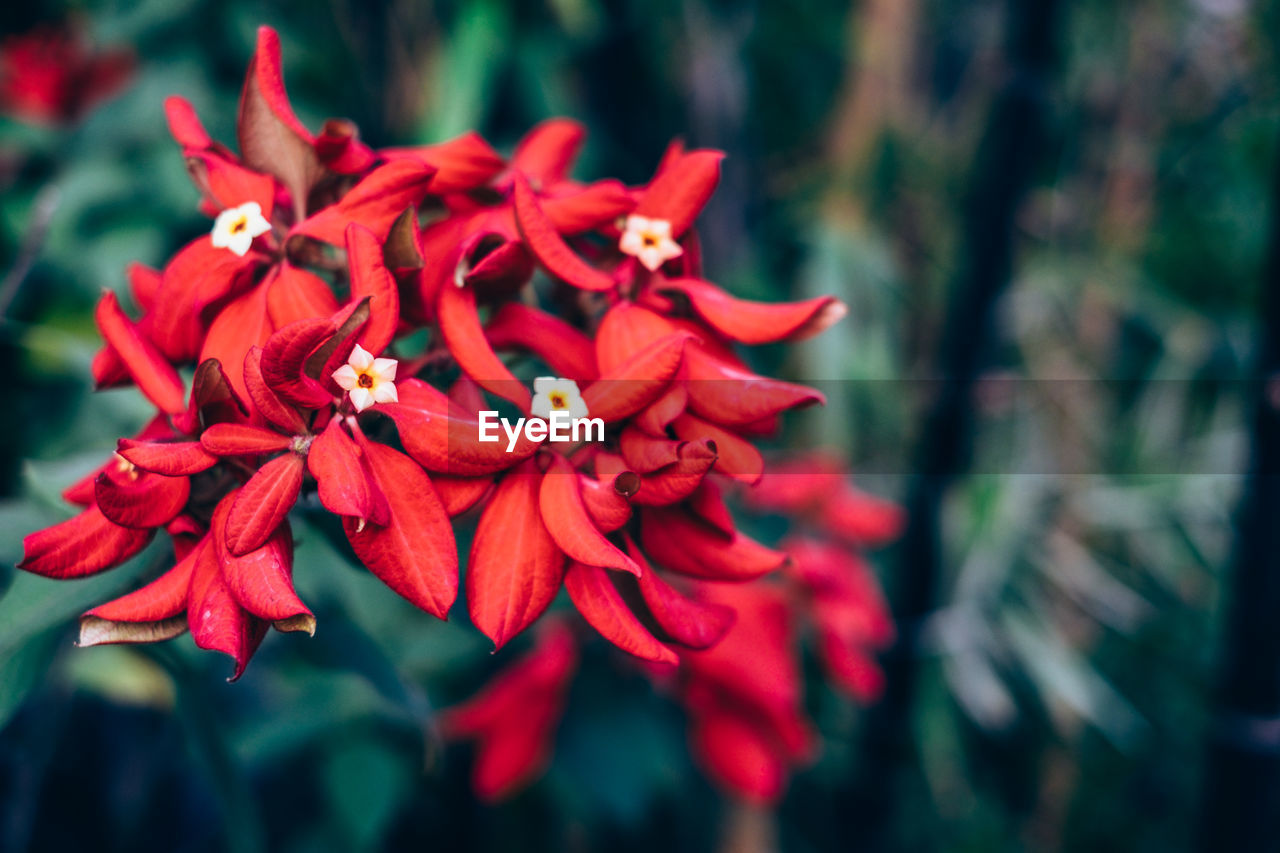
pixel 1065 696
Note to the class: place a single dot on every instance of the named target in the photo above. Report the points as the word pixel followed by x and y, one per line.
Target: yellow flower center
pixel 558 400
pixel 240 225
pixel 365 380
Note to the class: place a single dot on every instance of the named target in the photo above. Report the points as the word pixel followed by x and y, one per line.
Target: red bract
pixel 50 75
pixel 339 288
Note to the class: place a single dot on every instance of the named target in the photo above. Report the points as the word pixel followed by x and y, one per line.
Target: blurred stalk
pixel 1005 162
pixel 1241 796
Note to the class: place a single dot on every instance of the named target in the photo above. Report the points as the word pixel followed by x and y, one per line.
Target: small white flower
pixel 367 380
pixel 557 395
pixel 236 227
pixel 650 241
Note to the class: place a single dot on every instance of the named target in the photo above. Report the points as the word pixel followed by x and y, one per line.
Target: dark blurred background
pixel 1067 659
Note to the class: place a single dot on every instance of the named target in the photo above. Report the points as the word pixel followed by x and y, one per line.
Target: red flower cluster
pixel 739 676
pixel 49 75
pixel 344 319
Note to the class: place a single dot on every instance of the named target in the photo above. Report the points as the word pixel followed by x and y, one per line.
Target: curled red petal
pixel 140 500
pixel 680 479
pixel 464 163
pixel 549 247
pixel 547 152
pixel 567 351
pixel 689 622
pixel 757 322
pixel 375 202
pixel 638 381
pixel 272 139
pixel 583 209
pixel 729 394
pixel 217 620
pixel 460 325
pixel 184 124
pixel 684 544
pixel 567 520
pixel 606 500
pixel 284 362
pixel 81 545
pixel 370 278
pixel 735 456
pixel 155 377
pixel 680 191
pixel 265 401
pixel 600 603
pixel 644 453
pixel 339 148
pixel 145 615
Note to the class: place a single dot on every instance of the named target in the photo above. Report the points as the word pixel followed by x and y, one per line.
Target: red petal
pixel 863 519
pixel 442 436
pixel 692 623
pixel 142 501
pixel 644 453
pixel 217 621
pixel 627 329
pixel 658 415
pixel 345 485
pixel 459 494
pixel 679 480
pixel 241 325
pixel 546 153
pixel 415 554
pixel 375 202
pixel 508 267
pixel 242 440
pixel 144 284
pixel 369 277
pixel 684 544
pixel 212 401
pixel 145 615
pixel 229 184
pixel 736 457
pixel 263 503
pixel 261 579
pixel 567 351
pixel 294 294
pixel 566 518
pixel 285 359
pixel 587 208
pixel 679 192
pixel 79 546
pixel 515 568
pixel 339 147
pixel 155 376
pixel 757 322
pixel 728 394
pixel 197 278
pixel 606 499
pixel 184 124
pixel 599 602
pixel 549 248
pixel 460 325
pixel 632 385
pixel 171 458
pixel 464 163
pixel 272 139
pixel 739 756
pixel 268 405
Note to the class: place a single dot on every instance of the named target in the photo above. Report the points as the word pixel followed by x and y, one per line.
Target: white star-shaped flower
pixel 650 241
pixel 367 380
pixel 557 395
pixel 236 227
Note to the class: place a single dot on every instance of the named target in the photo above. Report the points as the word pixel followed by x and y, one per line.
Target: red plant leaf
pixel 549 247
pixel 345 485
pixel 680 191
pixel 375 202
pixel 600 603
pixel 689 622
pixel 261 579
pixel 272 409
pixel 146 615
pixel 566 350
pixel 567 520
pixel 634 384
pixel 171 458
pixel 686 545
pixel 460 325
pixel 757 322
pixel 369 277
pixel 217 621
pixel 242 440
pixel 415 554
pixel 140 500
pixel 546 153
pixel 155 377
pixel 82 545
pixel 263 503
pixel 515 568
pixel 736 457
